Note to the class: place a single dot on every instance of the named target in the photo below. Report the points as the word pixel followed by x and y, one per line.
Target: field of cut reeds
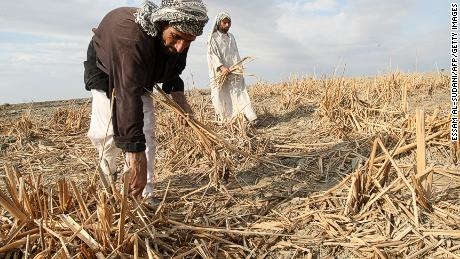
pixel 337 167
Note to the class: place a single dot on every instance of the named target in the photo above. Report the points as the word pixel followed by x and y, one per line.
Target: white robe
pixel 101 134
pixel 232 97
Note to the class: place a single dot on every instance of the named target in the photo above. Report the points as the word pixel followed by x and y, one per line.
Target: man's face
pixel 174 41
pixel 225 25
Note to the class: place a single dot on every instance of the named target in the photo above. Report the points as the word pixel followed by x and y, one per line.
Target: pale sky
pixel 43 43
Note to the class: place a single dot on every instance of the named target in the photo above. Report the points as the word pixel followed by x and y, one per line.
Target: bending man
pixel 131 50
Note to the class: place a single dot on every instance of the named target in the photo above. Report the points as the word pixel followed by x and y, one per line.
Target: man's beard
pixel 169 50
pixel 224 30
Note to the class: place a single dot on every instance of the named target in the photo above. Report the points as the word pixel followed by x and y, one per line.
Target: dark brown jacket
pixel 133 62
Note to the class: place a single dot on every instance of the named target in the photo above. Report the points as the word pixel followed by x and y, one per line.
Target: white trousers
pixel 101 124
pixel 232 98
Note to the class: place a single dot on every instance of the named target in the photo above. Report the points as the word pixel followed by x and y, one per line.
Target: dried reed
pixel 379 207
pixel 236 69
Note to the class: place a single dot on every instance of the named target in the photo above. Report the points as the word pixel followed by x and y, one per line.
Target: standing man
pixel 131 50
pixel 232 97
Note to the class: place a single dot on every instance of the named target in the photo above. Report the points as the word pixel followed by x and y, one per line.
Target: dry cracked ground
pixel 313 133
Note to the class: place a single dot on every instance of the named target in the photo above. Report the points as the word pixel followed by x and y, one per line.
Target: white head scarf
pixel 217 20
pixel 187 16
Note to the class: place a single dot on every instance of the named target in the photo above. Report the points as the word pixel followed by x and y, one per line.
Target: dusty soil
pixel 309 151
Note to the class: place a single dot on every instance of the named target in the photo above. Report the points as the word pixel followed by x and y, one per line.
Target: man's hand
pixel 138 166
pixel 180 99
pixel 224 70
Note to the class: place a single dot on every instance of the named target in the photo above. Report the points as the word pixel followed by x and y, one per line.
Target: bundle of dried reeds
pixel 211 144
pixel 236 69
